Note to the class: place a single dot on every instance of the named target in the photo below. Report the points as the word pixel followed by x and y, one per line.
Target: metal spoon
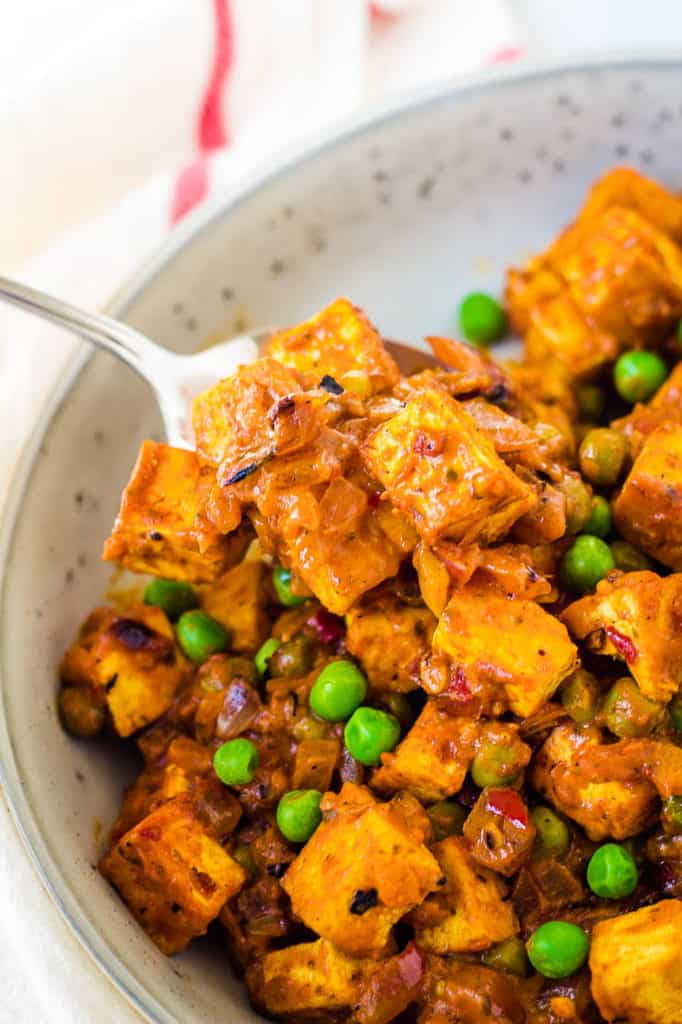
pixel 175 379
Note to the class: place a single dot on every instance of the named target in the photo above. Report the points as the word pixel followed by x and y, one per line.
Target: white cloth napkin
pixel 97 128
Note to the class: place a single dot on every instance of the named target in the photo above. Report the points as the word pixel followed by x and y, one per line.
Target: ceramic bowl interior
pixel 403 214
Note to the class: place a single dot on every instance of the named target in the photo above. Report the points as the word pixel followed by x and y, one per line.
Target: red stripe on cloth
pixel 379 13
pixel 212 131
pixel 190 188
pixel 505 54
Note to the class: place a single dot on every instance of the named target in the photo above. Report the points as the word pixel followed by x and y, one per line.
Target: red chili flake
pixel 623 644
pixel 328 627
pixel 374 499
pixel 411 965
pixel 425 445
pixel 458 687
pixel 509 804
pixel 152 832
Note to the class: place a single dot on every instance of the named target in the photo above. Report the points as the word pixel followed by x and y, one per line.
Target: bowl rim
pixel 211 212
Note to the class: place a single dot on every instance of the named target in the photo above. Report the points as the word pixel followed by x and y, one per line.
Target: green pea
pixel 294 658
pixel 611 872
pixel 602 456
pixel 557 949
pixel 553 836
pixel 298 814
pixel 675 711
pixel 338 690
pixel 171 596
pixel 481 318
pixel 672 814
pixel 242 854
pixel 590 402
pixel 579 696
pixel 80 711
pixel 578 502
pixel 235 762
pixel 369 733
pixel 627 712
pixel 628 558
pixel 264 653
pixel 399 705
pixel 491 765
pixel 587 561
pixel 637 375
pixel 281 579
pixel 509 956
pixel 447 818
pixel 200 636
pixel 310 728
pixel 600 521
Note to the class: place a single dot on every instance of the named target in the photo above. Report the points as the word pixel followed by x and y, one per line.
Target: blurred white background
pixel 98 121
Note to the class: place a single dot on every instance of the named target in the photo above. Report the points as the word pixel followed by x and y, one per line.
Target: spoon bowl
pixel 175 379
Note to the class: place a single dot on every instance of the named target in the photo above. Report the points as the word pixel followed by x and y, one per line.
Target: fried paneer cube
pixel 468 913
pixel 613 277
pixel 389 639
pixel 237 600
pixel 624 187
pixel 233 418
pixel 647 510
pixel 432 760
pixel 161 528
pixel 340 343
pixel 173 876
pixel 362 870
pixel 602 787
pixel 506 650
pixel 626 275
pixel 299 979
pixel 127 662
pixel 635 965
pixel 340 565
pixel 637 617
pixel 562 337
pixel 443 473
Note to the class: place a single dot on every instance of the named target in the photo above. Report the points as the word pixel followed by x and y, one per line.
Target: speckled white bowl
pixel 403 212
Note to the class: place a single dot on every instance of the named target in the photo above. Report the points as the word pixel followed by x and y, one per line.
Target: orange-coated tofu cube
pixel 233 418
pixel 443 473
pixel 308 977
pixel 161 529
pixel 623 187
pixel 433 759
pixel 362 870
pixel 520 673
pixel 637 617
pixel 599 786
pixel 389 639
pixel 471 913
pixel 237 599
pixel 340 343
pixel 172 875
pixel 635 965
pixel 647 510
pixel 559 330
pixel 129 662
pixel 340 566
pixel 626 276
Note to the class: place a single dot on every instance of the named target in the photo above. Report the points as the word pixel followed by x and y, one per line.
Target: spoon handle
pixel 127 344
